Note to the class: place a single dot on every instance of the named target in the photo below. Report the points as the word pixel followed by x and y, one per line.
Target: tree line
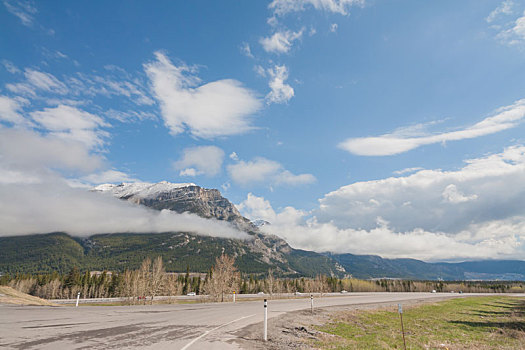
pixel 151 279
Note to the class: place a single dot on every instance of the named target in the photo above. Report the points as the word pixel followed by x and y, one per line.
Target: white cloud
pixel 129 116
pixel 262 170
pixel 202 160
pixel 287 178
pixel 38 81
pixel 45 81
pixel 80 88
pixel 108 176
pixel 504 8
pixel 510 32
pixel 234 156
pixel 219 108
pixel 476 212
pixel 260 71
pixel 10 111
pixel 453 195
pixel 10 67
pixel 400 142
pixel 24 10
pixel 485 189
pixel 120 84
pixel 280 92
pixel 333 27
pixel 282 7
pixel 24 150
pixel 407 170
pixel 519 27
pixel 53 206
pixel 280 42
pixel 73 124
pixel 246 50
pixel 36 199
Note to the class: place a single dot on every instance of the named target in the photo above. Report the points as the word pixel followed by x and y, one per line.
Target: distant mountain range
pixel 373 266
pixel 180 250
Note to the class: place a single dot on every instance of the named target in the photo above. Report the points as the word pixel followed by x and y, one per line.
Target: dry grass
pixel 467 323
pixel 9 295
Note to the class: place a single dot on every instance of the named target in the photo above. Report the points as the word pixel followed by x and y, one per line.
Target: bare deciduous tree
pixel 224 278
pixel 157 277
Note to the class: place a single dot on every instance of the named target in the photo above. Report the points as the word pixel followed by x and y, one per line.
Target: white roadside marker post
pixel 265 320
pixel 78 298
pixel 400 310
pixel 312 303
pixel 234 296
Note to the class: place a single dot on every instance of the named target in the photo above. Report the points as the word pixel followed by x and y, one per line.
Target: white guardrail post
pixel 265 320
pixel 78 298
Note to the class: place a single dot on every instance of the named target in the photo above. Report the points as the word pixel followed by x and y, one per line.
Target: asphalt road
pixel 176 326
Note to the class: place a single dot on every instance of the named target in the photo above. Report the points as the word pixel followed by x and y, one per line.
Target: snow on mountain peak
pixel 140 189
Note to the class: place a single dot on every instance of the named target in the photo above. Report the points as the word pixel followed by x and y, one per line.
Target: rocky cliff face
pixel 186 197
pixel 209 203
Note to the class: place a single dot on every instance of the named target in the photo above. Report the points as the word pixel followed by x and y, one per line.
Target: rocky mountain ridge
pixel 209 203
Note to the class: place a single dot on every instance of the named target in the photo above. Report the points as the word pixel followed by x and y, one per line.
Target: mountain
pixel 59 251
pixel 118 251
pixel 373 266
pixel 185 197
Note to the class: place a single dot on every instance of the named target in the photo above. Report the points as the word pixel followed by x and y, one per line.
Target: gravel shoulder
pixel 297 330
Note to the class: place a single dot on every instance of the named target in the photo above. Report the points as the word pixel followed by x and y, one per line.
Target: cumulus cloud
pixel 476 212
pixel 485 189
pixel 219 108
pixel 10 111
pixel 282 7
pixel 70 123
pixel 400 142
pixel 54 206
pixel 281 42
pixel 29 151
pixel 280 92
pixel 202 160
pixel 262 170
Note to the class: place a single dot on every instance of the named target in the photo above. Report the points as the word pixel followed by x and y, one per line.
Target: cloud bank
pixel 476 212
pixel 55 207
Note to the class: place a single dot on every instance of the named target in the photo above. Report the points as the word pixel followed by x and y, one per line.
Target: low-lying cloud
pixel 53 206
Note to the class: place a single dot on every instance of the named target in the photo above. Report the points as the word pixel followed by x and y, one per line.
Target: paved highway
pixel 177 326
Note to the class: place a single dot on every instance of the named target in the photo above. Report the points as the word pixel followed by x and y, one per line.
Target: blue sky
pixel 343 122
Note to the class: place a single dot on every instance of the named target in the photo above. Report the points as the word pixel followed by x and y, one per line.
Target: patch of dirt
pixel 9 295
